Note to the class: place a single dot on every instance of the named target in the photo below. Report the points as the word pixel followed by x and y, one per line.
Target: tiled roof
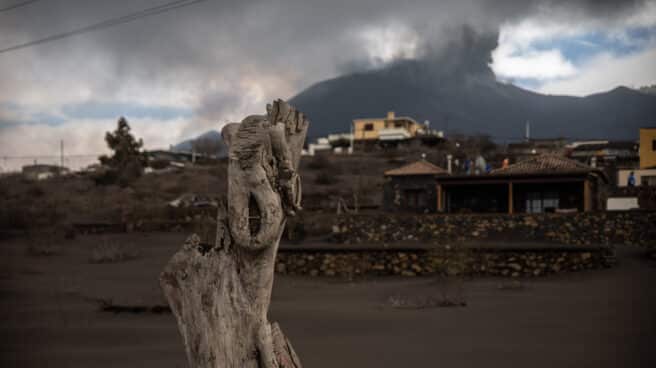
pixel 544 164
pixel 421 167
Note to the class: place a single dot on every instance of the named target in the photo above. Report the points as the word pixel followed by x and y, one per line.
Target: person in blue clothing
pixel 631 180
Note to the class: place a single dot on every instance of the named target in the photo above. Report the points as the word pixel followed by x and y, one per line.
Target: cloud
pixel 564 53
pixel 533 64
pixel 83 139
pixel 389 42
pixel 607 71
pixel 222 60
pixel 112 110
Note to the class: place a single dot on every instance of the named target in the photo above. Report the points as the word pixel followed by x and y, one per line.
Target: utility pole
pixel 61 155
pixel 528 130
pixel 352 139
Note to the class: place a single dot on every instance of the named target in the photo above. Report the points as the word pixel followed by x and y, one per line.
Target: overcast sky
pixel 178 74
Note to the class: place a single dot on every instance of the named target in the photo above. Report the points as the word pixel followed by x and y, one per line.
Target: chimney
pixel 449 158
pixel 390 115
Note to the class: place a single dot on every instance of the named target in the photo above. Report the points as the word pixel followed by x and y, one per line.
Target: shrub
pixel 14 216
pixel 35 191
pixel 323 164
pixel 105 177
pixel 158 164
pixel 127 159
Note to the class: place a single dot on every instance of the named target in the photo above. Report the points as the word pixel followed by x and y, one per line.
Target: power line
pixel 8 157
pixel 19 5
pixel 108 23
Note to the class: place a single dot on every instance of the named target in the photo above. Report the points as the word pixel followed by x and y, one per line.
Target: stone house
pixel 411 188
pixel 544 183
pixel 648 148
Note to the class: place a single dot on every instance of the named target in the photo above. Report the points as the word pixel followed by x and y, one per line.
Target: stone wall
pixel 422 262
pixel 592 228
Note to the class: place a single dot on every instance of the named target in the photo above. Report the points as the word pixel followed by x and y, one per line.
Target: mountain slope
pixel 456 90
pixel 187 145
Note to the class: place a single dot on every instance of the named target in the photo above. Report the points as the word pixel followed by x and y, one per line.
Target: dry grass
pixel 111 252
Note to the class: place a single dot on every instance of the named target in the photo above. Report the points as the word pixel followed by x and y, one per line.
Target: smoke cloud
pixel 225 59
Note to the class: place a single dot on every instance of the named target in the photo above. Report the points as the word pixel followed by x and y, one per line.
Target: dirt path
pixel 592 319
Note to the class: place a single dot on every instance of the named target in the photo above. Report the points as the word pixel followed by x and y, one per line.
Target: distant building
pixel 622 154
pixel 643 177
pixel 412 188
pixel 392 132
pixel 644 167
pixel 391 128
pixel 322 144
pixel 171 156
pixel 42 171
pixel 343 140
pixel 532 147
pixel 648 148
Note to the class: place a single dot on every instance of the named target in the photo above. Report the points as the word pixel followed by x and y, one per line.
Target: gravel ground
pixel 52 318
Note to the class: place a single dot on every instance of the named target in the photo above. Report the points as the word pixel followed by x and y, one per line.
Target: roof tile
pixel 544 164
pixel 421 167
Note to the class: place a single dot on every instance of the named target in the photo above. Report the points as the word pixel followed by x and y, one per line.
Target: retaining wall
pixel 423 262
pixel 591 228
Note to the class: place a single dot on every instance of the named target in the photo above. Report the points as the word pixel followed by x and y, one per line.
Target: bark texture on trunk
pixel 220 293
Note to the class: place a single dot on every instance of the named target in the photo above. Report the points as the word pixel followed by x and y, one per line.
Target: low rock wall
pixel 424 262
pixel 592 228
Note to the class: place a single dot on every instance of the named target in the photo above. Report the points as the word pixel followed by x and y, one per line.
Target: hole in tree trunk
pixel 254 216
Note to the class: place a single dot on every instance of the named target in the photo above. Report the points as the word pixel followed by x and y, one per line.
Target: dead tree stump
pixel 220 293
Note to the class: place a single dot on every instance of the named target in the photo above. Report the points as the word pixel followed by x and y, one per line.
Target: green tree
pixel 127 161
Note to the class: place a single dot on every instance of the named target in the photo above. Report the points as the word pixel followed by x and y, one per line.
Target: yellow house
pixel 647 148
pixel 389 128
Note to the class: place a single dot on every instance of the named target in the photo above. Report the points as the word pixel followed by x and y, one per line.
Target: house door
pixel 415 199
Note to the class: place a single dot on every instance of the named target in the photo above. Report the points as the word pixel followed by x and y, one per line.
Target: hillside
pixel 457 92
pixel 208 143
pixel 187 145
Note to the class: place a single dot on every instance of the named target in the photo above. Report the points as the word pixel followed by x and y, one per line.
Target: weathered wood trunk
pixel 220 293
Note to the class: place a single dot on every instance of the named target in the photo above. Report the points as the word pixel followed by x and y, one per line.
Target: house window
pixel 550 201
pixel 398 124
pixel 538 202
pixel 533 202
pixel 653 145
pixel 368 127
